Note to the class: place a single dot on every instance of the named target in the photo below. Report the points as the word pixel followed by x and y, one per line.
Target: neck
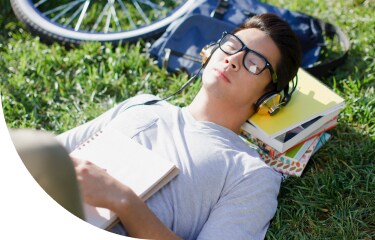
pixel 219 111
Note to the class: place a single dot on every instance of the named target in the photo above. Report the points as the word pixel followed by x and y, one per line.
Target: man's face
pixel 226 77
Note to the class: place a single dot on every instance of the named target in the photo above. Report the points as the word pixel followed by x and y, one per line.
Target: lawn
pixel 53 88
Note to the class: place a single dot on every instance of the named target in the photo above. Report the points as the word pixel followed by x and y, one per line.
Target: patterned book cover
pixel 287 165
pixel 295 152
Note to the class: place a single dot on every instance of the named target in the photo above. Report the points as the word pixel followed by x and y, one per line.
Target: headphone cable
pixel 187 83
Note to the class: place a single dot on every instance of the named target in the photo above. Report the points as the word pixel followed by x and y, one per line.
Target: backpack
pixel 179 46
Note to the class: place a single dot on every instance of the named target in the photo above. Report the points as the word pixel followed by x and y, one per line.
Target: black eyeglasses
pixel 253 61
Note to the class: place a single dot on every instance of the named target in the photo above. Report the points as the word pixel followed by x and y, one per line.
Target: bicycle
pixel 75 21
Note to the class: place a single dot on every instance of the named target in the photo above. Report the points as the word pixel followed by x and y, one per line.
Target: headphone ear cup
pixel 207 52
pixel 269 103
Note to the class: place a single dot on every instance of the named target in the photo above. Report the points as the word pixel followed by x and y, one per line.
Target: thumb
pixel 75 161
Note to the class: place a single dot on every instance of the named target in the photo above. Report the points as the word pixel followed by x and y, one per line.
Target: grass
pixel 52 88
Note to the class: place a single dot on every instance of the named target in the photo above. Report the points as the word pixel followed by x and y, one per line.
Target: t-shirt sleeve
pixel 246 210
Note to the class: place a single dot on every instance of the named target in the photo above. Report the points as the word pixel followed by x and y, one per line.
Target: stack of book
pixel 287 140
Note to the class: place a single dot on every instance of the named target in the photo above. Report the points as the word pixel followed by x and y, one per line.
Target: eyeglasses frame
pixel 247 50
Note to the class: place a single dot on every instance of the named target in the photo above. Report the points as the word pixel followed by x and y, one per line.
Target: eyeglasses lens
pixel 232 45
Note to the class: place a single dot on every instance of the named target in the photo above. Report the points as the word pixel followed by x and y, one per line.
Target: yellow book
pixel 311 99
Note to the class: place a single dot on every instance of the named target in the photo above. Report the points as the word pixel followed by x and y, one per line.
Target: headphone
pixel 207 52
pixel 271 102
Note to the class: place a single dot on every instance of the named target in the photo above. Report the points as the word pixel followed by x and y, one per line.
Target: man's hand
pixel 97 187
pixel 100 189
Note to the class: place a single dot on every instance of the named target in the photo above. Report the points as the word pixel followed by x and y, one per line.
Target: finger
pixel 75 161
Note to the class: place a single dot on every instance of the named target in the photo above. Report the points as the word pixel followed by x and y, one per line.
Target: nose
pixel 234 61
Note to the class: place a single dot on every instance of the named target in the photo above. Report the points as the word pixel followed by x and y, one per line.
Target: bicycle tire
pixel 50 31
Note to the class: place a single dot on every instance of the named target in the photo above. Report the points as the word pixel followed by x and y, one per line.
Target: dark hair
pixel 285 40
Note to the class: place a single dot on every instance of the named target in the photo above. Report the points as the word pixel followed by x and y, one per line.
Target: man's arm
pixel 139 220
pixel 99 189
pixel 244 210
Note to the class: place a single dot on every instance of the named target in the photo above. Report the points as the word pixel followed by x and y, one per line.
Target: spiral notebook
pixel 144 171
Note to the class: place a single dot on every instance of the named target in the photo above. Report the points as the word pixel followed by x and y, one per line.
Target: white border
pixel 27 210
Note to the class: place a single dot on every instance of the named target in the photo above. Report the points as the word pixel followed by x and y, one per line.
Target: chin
pixel 210 81
pixel 215 92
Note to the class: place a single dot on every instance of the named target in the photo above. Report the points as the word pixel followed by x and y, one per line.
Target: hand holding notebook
pixel 135 166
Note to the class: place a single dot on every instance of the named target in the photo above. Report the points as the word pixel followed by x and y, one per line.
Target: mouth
pixel 222 75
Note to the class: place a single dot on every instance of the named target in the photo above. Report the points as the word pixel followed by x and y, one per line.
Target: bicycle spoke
pixel 78 24
pixel 157 8
pixel 115 18
pixel 135 3
pixel 70 19
pixel 39 3
pixel 127 14
pixel 109 15
pixel 63 12
pixel 104 16
pixel 67 5
pixel 105 9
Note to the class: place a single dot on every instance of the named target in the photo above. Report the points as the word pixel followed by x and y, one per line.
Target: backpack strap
pixel 331 31
pixel 168 52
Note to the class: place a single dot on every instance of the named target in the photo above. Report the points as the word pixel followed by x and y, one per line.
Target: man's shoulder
pixel 142 98
pixel 145 97
pixel 146 106
pixel 252 162
pixel 245 160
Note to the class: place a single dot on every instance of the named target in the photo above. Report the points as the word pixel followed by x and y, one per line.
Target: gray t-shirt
pixel 223 190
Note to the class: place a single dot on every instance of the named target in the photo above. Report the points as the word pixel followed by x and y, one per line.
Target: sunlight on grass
pixel 53 88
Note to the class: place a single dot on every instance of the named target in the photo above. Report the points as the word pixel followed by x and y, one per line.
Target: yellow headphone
pixel 207 52
pixel 271 102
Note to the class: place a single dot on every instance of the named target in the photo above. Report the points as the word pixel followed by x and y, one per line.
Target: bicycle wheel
pixel 74 21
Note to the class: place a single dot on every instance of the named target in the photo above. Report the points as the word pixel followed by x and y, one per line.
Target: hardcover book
pixel 292 163
pixel 310 100
pixel 293 137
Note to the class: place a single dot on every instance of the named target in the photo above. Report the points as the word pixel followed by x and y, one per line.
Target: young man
pixel 223 190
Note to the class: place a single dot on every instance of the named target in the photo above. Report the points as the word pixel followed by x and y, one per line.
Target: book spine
pixel 287 165
pixel 252 131
pixel 304 136
pixel 272 152
pixel 260 144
